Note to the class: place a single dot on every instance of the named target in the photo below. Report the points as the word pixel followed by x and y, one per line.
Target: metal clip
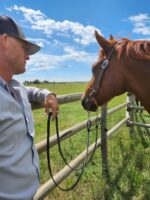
pixel 105 64
pixel 89 123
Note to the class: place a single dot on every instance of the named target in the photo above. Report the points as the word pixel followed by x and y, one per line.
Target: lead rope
pixel 49 160
pixel 89 125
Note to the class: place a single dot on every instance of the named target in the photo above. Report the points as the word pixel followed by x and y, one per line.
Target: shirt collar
pixel 13 82
pixel 2 82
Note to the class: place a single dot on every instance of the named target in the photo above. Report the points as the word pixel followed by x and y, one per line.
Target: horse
pixel 123 66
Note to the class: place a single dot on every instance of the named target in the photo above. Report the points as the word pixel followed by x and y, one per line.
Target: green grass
pixel 63 88
pixel 128 155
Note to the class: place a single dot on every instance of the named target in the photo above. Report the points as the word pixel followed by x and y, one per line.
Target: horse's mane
pixel 139 49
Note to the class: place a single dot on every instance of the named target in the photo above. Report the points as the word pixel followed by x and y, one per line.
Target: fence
pixel 47 187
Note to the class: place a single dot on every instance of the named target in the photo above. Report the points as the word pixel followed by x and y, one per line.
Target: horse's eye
pixel 93 69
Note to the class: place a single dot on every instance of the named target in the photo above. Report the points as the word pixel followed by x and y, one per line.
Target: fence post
pixel 104 153
pixel 131 112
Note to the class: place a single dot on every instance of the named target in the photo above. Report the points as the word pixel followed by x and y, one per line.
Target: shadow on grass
pixel 131 178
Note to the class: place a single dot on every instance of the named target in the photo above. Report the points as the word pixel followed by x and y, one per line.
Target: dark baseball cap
pixel 11 28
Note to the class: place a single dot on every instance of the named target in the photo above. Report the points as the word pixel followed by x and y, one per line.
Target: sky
pixel 65 31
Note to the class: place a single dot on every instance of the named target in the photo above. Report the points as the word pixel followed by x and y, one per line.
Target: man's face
pixel 17 55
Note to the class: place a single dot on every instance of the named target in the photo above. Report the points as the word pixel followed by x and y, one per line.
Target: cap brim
pixel 31 47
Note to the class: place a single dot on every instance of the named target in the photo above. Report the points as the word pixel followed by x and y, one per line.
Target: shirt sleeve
pixel 36 94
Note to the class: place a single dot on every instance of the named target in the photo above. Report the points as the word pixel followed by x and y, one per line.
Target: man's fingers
pixel 54 114
pixel 51 104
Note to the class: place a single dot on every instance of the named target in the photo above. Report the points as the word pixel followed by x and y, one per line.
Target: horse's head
pixel 108 76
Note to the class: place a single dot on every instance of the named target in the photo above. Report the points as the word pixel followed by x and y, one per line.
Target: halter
pixel 103 67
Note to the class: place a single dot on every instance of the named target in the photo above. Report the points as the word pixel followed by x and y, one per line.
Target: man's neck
pixel 5 75
pixel 5 70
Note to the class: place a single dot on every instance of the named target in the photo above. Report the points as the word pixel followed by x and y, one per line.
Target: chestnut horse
pixel 122 66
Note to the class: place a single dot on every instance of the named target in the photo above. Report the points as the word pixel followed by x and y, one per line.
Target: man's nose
pixel 27 57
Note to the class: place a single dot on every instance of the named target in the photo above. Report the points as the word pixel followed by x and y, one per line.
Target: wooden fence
pixel 47 187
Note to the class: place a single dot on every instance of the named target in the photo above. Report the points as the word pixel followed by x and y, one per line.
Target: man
pixel 19 163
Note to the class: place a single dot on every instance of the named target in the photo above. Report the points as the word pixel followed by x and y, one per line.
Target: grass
pixel 63 88
pixel 128 155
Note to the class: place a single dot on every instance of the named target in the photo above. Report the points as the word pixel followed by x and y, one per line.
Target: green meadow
pixel 128 154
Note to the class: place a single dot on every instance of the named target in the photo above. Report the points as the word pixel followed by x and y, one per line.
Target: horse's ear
pixel 111 38
pixel 105 44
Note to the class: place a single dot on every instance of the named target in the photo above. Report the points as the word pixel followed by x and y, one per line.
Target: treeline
pixel 37 81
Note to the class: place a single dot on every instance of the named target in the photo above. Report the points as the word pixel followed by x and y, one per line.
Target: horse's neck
pixel 138 79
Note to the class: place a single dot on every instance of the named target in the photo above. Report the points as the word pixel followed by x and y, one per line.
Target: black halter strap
pixel 103 67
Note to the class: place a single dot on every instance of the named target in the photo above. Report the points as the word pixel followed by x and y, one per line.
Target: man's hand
pixel 51 103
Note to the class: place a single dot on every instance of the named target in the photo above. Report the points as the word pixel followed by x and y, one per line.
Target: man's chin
pixel 20 72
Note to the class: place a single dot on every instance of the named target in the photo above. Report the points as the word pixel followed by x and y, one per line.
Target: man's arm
pixel 44 96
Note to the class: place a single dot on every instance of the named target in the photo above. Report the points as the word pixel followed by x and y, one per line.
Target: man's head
pixel 14 48
pixel 11 28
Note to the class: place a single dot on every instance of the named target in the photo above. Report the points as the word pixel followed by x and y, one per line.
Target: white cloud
pixel 41 42
pixel 140 18
pixel 79 56
pixel 141 23
pixel 42 61
pixel 39 21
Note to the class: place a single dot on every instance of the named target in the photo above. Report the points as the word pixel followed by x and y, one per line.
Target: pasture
pixel 128 155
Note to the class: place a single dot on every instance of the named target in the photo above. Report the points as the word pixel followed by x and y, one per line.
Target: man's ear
pixel 105 44
pixel 4 39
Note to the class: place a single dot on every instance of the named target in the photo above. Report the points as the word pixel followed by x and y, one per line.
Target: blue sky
pixel 65 31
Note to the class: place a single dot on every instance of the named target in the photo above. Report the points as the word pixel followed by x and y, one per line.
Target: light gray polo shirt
pixel 19 162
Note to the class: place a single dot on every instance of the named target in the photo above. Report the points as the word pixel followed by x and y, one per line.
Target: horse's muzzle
pixel 89 104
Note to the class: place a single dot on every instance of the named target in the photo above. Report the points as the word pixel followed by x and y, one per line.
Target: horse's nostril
pixel 83 102
pixel 88 104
